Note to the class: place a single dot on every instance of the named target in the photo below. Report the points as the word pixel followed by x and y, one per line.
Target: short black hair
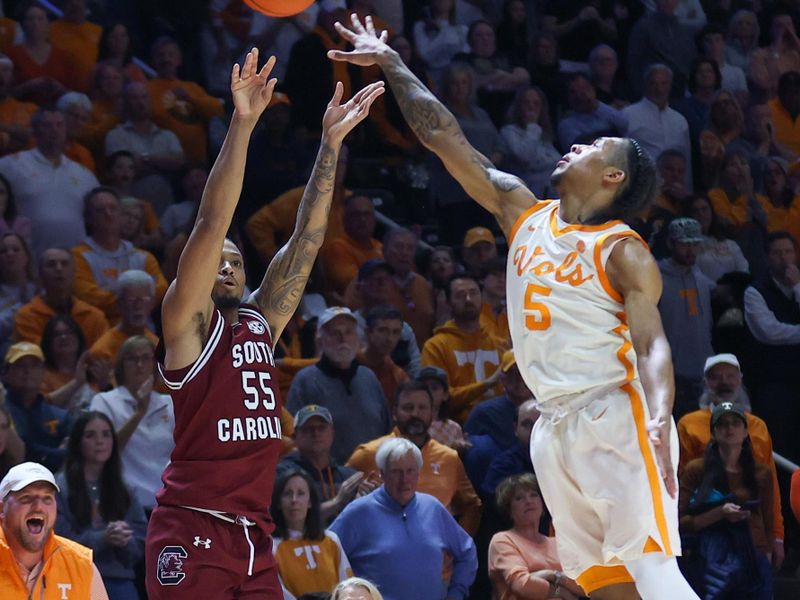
pixel 382 313
pixel 640 185
pixel 460 275
pixel 412 386
pixel 774 236
pixel 788 82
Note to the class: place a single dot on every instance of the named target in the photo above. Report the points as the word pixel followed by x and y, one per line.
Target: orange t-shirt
pixel 80 41
pixel 56 65
pixel 343 256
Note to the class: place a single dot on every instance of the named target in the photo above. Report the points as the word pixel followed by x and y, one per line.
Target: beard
pixel 555 178
pixel 31 543
pixel 412 427
pixel 225 301
pixel 739 397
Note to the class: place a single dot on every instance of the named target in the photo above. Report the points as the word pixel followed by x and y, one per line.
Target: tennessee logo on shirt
pixel 308 552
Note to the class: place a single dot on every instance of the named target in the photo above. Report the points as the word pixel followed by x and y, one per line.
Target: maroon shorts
pixel 193 555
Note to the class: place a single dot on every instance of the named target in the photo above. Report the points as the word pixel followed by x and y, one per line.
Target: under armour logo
pixel 206 543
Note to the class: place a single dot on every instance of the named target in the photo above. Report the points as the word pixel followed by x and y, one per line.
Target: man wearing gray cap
pixel 34 562
pixel 685 308
pixel 350 391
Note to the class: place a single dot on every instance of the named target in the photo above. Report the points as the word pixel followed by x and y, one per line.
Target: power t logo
pixel 170 565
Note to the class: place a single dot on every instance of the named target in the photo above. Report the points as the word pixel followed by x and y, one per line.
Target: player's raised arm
pixel 633 272
pixel 187 305
pixel 287 274
pixel 502 194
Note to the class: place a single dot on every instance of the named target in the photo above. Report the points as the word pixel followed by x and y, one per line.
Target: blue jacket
pixel 42 427
pixel 378 535
pixel 513 461
pixel 496 418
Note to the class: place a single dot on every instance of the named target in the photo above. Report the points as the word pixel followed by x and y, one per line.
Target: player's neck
pixel 578 208
pixel 230 314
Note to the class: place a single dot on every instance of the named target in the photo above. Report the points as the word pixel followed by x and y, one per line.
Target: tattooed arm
pixel 502 194
pixel 287 274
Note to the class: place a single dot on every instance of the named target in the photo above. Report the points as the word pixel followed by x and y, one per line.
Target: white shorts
pixel 600 479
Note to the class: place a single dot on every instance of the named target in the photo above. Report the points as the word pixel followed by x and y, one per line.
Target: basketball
pixel 279 8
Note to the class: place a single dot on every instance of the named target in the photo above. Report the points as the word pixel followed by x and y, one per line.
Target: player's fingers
pixel 250 59
pixel 235 73
pixel 366 91
pixel 267 68
pixel 370 26
pixel 384 36
pixel 344 32
pixel 336 100
pixel 357 26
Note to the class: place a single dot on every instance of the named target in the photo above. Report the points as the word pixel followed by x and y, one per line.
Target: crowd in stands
pixel 405 416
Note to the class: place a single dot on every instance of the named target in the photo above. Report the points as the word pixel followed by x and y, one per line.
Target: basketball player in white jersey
pixel 582 303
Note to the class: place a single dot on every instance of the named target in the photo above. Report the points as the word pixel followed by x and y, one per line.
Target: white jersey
pixel 568 325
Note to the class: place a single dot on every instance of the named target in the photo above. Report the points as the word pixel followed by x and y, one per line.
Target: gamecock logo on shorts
pixel 256 327
pixel 170 565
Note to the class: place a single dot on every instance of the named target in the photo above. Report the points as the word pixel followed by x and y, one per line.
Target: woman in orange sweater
pixel 523 563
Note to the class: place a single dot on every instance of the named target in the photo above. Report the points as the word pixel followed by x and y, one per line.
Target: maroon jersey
pixel 227 422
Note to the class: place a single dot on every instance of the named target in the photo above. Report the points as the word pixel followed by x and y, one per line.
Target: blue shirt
pixel 401 549
pixel 513 461
pixel 496 418
pixel 42 427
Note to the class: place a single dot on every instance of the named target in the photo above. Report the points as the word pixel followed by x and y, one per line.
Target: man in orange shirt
pixel 384 325
pixel 15 116
pixel 785 108
pixel 183 107
pixel 723 382
pixel 344 255
pixel 79 39
pixel 442 474
pixel 57 275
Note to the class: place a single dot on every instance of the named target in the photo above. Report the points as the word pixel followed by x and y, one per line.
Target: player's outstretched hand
pixel 658 429
pixel 252 89
pixel 368 44
pixel 340 119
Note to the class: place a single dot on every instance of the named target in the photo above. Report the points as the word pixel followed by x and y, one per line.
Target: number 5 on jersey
pixel 252 402
pixel 537 315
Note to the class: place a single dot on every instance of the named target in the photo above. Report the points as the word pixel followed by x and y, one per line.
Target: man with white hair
pixel 77 110
pixel 416 531
pixel 723 383
pixel 33 560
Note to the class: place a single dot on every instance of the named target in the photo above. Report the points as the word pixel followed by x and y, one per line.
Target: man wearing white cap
pixel 34 562
pixel 351 392
pixel 723 383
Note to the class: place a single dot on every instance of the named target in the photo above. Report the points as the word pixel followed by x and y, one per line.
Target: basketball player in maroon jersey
pixel 209 535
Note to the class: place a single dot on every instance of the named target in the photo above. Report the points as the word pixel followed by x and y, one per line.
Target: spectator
pixel 136 297
pixel 655 125
pixel 515 31
pixel 15 116
pixel 496 417
pixel 545 68
pixel 690 13
pixel 464 349
pixel 43 72
pixel 143 419
pixel 67 368
pixel 57 276
pixel 580 26
pixel 723 384
pixel 103 256
pixel 115 48
pixel 742 39
pixel 179 217
pixel 785 108
pixel 415 531
pixel 772 313
pixel 79 39
pixel 356 588
pixel 603 71
pixel 685 308
pixel 26 541
pixel 12 448
pixel 781 56
pixel 670 199
pixel 107 107
pixel 517 458
pixel 41 425
pixel 478 248
pixel 10 219
pixel 77 109
pixel 344 255
pixel 529 135
pixel 727 485
pixel 158 152
pixel 719 254
pixel 438 38
pixel 17 280
pixel 442 473
pixel 497 76
pixel 660 37
pixel 493 311
pixel 48 186
pixel 340 384
pixel 336 484
pixel 441 265
pixel 443 429
pixel 182 107
pixel 310 558
pixel 384 326
pixel 705 81
pixel 782 208
pixel 712 45
pixel 523 563
pixel 96 508
pixel 734 199
pixel 456 211
pixel 795 496
pixel 588 118
pixel 375 285
pixel 723 135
